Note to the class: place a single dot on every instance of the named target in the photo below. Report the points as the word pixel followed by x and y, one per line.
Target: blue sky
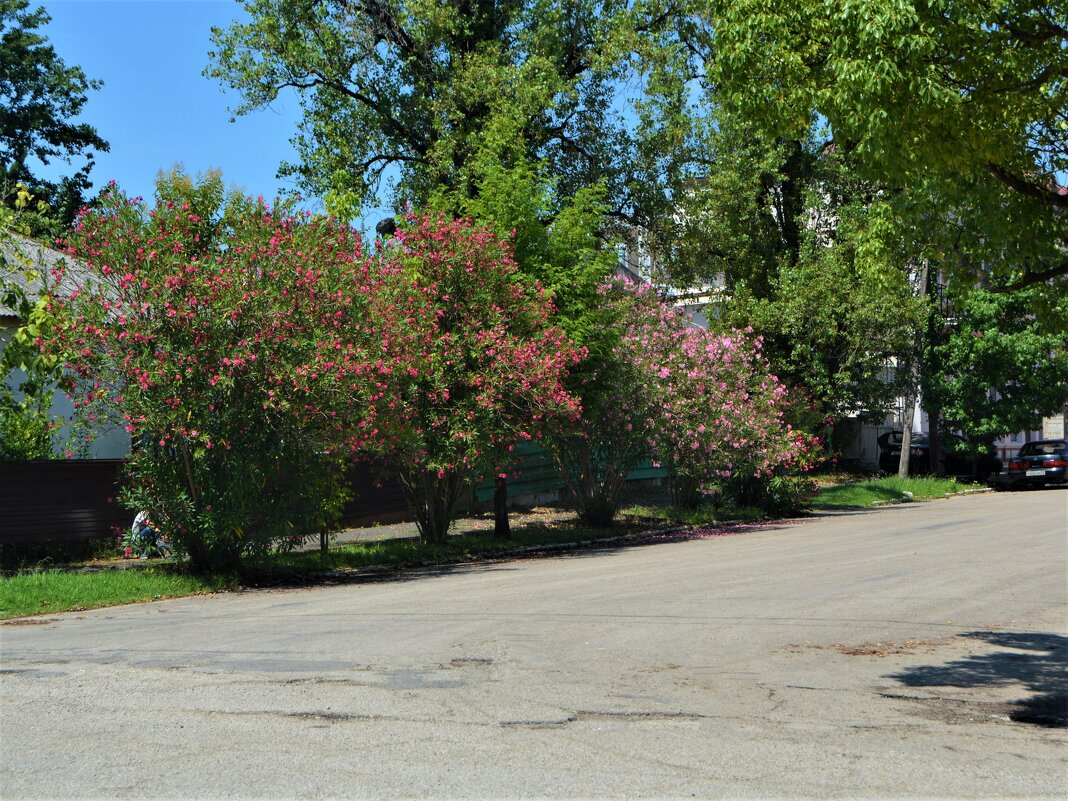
pixel 156 108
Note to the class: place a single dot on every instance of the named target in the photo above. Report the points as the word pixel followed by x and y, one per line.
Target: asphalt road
pixel 892 653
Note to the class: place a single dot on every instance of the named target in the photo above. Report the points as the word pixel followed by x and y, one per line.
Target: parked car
pixel 1039 463
pixel 955 455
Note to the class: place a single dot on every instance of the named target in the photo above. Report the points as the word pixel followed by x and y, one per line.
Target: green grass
pixel 60 591
pixel 703 515
pixel 44 591
pixel 872 491
pixel 845 492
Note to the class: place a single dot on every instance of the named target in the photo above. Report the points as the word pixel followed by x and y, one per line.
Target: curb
pixel 375 571
pixel 899 501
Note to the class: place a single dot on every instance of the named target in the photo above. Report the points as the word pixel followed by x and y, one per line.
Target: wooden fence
pixel 60 500
pixel 72 500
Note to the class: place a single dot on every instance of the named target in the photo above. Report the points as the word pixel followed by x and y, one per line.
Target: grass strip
pixel 62 591
pixel 45 591
pixel 892 488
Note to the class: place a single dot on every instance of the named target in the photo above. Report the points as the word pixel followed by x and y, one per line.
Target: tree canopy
pixel 414 86
pixel 795 237
pixel 997 367
pixel 40 100
pixel 959 105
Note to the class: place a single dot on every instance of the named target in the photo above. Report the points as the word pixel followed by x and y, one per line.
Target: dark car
pixel 956 456
pixel 1039 463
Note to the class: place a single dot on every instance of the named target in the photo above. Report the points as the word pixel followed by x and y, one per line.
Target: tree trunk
pixel 906 425
pixel 501 528
pixel 432 500
pixel 594 488
pixel 936 334
pixel 685 491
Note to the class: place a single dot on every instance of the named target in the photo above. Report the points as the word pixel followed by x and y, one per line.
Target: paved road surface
pixel 872 654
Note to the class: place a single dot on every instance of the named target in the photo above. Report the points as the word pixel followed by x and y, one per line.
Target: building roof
pixel 29 264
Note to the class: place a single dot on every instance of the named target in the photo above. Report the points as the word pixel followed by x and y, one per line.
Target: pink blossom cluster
pixel 475 363
pixel 262 329
pixel 208 336
pixel 716 408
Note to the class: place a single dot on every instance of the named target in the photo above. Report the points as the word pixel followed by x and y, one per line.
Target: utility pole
pixel 913 387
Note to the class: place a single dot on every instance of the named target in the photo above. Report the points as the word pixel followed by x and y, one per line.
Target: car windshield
pixel 1044 448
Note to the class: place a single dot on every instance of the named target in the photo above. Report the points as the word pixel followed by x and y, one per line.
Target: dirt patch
pixel 880 649
pixel 29 621
pixel 890 648
pixel 1048 711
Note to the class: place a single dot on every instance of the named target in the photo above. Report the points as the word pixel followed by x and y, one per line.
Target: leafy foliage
pixel 595 451
pixel 959 103
pixel 471 361
pixel 40 99
pixel 221 331
pixel 570 257
pixel 776 495
pixel 414 88
pixel 28 377
pixel 801 247
pixel 1000 368
pixel 703 404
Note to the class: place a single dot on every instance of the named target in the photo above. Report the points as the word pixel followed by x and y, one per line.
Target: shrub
pixel 224 334
pixel 595 451
pixel 778 495
pixel 704 405
pixel 471 362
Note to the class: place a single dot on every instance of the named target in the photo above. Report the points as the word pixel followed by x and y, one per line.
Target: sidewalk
pixel 481 522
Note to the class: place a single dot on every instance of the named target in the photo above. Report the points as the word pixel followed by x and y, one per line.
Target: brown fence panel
pixel 377 497
pixel 71 500
pixel 60 500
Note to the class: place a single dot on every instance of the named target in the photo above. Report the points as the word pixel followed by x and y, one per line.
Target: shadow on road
pixel 1036 660
pixel 505 559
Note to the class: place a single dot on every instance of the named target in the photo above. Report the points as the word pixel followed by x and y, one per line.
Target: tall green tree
pixel 798 241
pixel 40 100
pixel 561 122
pixel 408 89
pixel 959 105
pixel 997 363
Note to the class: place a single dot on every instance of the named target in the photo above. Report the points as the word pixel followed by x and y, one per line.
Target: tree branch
pixel 1050 195
pixel 1029 277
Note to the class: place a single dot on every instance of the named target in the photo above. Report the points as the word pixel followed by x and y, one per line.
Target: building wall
pixel 104 441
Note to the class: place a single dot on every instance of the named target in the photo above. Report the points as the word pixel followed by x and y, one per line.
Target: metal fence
pixel 70 500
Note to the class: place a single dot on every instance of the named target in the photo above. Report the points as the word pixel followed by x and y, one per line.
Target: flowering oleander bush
pixel 471 363
pixel 722 411
pixel 704 405
pixel 225 335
